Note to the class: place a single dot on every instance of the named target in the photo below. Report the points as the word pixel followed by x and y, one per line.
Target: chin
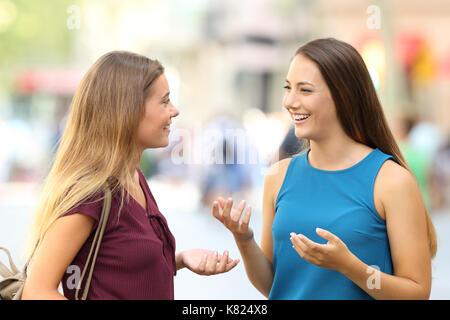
pixel 301 134
pixel 160 144
pixel 164 143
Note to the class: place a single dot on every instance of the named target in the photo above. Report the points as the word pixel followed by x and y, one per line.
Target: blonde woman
pixel 121 108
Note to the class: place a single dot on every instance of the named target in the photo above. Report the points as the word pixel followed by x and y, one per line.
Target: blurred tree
pixel 33 33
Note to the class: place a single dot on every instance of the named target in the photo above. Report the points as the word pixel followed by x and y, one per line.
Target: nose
pixel 173 111
pixel 291 101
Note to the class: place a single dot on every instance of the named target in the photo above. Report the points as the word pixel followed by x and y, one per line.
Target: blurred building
pixel 219 57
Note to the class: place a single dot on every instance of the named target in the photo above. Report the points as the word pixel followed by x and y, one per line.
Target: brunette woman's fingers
pixel 296 241
pixel 246 219
pixel 215 211
pixel 227 210
pixel 236 215
pixel 221 202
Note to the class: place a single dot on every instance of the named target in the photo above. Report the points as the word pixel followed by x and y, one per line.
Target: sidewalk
pixel 197 229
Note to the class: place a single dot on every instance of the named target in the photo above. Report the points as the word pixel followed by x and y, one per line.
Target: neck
pixel 336 153
pixel 135 184
pixel 134 173
pixel 136 161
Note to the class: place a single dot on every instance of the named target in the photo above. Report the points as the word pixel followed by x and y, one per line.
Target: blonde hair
pixel 98 147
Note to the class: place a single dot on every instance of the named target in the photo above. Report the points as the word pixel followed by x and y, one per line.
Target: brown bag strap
pixel 4 272
pixel 25 267
pixel 95 245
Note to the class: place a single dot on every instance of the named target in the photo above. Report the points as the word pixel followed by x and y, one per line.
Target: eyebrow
pixel 165 96
pixel 301 82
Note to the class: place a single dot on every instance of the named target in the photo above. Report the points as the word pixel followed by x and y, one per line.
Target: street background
pixel 225 62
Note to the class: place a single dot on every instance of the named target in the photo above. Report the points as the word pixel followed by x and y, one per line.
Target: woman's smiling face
pixel 154 127
pixel 309 101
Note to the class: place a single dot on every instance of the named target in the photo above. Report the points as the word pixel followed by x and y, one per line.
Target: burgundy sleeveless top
pixel 136 258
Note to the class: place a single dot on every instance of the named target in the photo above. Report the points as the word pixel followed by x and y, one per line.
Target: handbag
pixel 11 286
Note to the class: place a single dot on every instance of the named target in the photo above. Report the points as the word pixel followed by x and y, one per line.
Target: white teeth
pixel 167 127
pixel 300 116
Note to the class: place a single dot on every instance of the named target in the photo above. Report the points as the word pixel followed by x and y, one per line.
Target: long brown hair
pixel 98 147
pixel 357 105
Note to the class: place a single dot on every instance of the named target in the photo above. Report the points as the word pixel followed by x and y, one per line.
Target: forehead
pixel 158 90
pixel 303 69
pixel 161 85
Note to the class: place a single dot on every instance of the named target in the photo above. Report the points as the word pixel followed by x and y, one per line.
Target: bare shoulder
pixel 393 184
pixel 76 220
pixel 277 171
pixel 279 168
pixel 394 175
pixel 275 177
pixel 272 184
pixel 61 243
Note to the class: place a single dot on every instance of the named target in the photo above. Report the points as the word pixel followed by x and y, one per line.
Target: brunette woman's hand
pixel 207 262
pixel 232 218
pixel 333 255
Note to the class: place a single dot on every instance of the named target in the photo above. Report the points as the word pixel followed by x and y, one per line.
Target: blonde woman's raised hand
pixel 236 220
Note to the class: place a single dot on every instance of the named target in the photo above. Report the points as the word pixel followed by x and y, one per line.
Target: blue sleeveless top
pixel 338 201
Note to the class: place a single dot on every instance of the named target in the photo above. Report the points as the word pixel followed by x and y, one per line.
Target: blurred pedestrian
pixel 291 145
pixel 227 171
pixel 440 177
pixel 426 136
pixel 418 160
pixel 6 148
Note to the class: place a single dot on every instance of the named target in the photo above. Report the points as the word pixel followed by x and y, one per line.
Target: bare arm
pixel 258 268
pixel 257 261
pixel 61 243
pixel 406 227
